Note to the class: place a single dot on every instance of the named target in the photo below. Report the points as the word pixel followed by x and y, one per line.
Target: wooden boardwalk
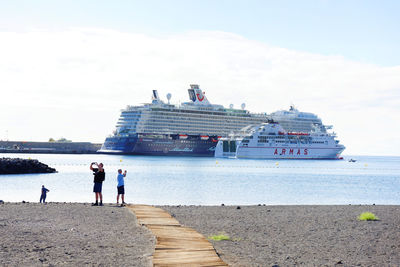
pixel 176 245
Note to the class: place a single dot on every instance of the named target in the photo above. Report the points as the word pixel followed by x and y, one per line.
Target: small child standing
pixel 120 186
pixel 43 195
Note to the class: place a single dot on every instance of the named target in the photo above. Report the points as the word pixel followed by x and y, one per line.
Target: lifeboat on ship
pixel 215 140
pixel 183 136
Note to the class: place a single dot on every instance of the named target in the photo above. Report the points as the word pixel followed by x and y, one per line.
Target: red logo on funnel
pixel 198 97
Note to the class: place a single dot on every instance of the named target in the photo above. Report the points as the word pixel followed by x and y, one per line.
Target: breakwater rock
pixel 19 166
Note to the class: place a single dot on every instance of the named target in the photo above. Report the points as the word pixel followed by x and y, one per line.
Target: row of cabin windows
pixel 280 137
pixel 191 124
pixel 169 120
pixel 191 116
pixel 291 142
pixel 157 145
pixel 282 141
pixel 273 137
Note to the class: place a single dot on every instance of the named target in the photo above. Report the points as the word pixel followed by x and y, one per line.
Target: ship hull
pixel 167 145
pixel 275 152
pixel 289 153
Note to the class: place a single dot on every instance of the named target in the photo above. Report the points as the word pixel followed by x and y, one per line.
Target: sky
pixel 67 68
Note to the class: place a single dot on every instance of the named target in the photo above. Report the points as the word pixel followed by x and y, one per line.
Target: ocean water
pixel 210 181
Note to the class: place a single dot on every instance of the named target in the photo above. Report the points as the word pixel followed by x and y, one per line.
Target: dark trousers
pixel 43 197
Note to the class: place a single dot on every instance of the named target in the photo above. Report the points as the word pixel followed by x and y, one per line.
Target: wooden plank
pixel 176 245
pixel 183 244
pixel 158 221
pixel 191 265
pixel 174 233
pixel 196 242
pixel 180 258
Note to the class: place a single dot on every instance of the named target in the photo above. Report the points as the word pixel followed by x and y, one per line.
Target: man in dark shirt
pixel 99 177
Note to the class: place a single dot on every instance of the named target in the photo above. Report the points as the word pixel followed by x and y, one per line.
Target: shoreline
pixel 284 235
pixel 2 201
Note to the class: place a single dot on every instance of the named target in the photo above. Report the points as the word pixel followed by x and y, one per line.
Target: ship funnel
pixel 243 105
pixel 155 98
pixel 197 95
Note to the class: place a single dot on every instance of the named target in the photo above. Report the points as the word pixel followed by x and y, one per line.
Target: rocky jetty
pixel 19 166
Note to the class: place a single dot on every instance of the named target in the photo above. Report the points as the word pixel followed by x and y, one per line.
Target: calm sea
pixel 209 181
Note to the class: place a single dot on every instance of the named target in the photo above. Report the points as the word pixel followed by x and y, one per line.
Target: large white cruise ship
pixel 190 129
pixel 271 141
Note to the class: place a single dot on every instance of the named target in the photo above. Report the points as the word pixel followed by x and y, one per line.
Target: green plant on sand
pixel 368 216
pixel 219 237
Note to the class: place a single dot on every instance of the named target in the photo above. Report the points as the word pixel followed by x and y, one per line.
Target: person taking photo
pixel 99 177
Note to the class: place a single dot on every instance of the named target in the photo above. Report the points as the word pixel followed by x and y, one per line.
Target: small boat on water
pixel 271 141
pixel 352 160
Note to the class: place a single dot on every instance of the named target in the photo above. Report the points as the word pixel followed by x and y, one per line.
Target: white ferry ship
pixel 190 129
pixel 271 141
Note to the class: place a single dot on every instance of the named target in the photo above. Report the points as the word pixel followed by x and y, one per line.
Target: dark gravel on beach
pixel 72 235
pixel 298 235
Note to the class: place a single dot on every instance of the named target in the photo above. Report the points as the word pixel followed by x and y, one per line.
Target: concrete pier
pixel 49 147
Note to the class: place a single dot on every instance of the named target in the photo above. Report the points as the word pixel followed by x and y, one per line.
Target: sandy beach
pixel 72 234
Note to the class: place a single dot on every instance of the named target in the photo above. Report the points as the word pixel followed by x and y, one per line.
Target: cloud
pixel 85 76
